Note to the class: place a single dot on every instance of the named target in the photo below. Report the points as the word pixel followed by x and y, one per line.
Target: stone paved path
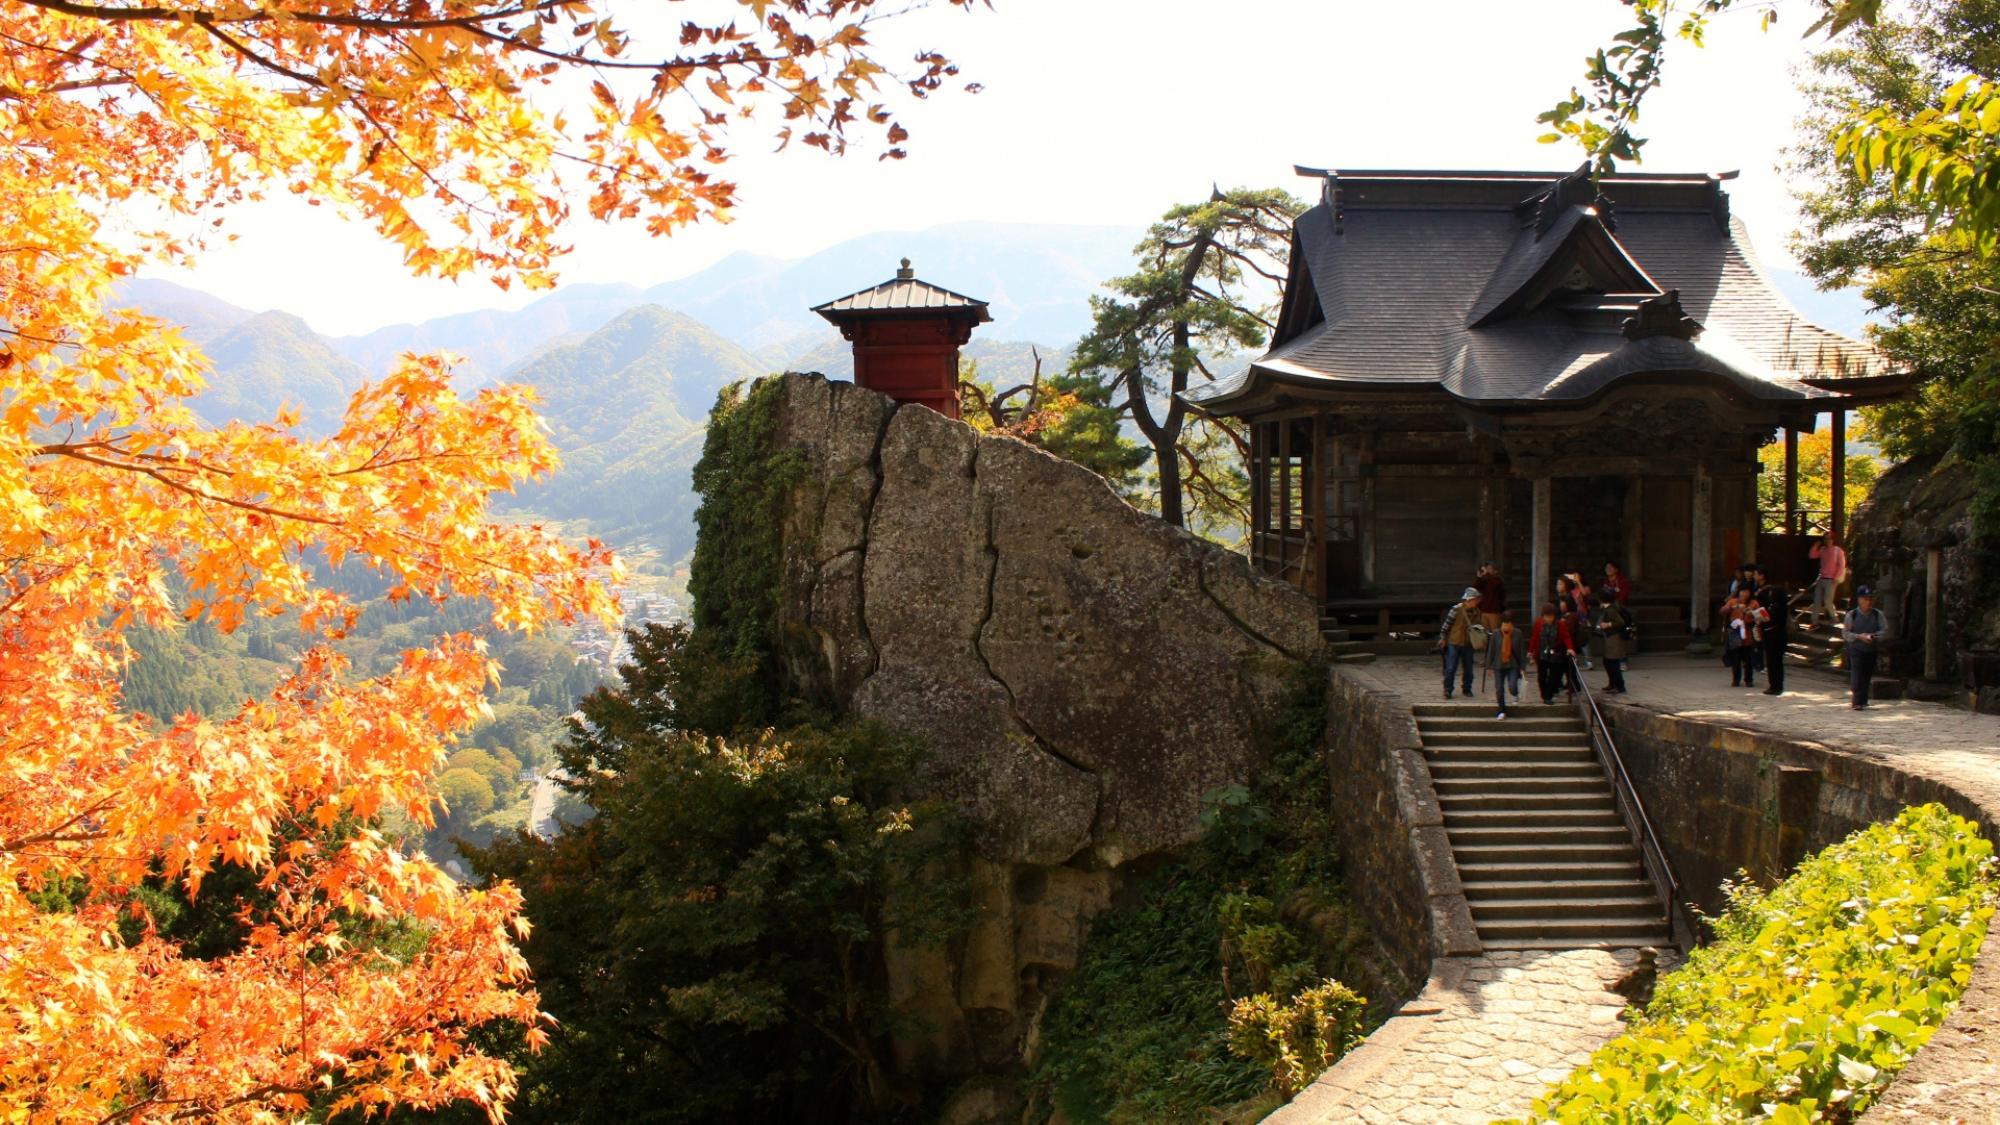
pixel 1489 1033
pixel 1485 1037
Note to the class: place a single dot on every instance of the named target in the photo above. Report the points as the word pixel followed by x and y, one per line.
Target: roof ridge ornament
pixel 1661 316
pixel 904 272
pixel 1578 189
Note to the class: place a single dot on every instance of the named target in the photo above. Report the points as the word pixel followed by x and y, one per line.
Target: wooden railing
pixel 1633 811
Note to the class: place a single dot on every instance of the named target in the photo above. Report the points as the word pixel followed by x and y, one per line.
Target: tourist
pixel 1740 639
pixel 1507 658
pixel 1744 580
pixel 1492 597
pixel 1455 640
pixel 1615 586
pixel 1832 572
pixel 1776 622
pixel 1554 647
pixel 1573 603
pixel 1863 627
pixel 1614 624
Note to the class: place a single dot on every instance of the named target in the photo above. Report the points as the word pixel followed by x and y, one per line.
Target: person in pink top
pixel 1832 570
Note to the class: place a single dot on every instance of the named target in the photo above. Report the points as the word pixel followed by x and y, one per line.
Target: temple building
pixel 1532 369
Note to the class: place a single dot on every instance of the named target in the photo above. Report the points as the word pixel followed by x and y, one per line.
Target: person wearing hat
pixel 1863 627
pixel 1455 639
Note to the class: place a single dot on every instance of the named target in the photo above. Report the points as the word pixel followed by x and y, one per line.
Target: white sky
pixel 1110 111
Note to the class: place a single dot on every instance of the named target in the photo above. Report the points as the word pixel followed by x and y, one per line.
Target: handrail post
pixel 1632 810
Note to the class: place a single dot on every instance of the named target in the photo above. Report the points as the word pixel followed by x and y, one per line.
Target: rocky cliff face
pixel 1918 504
pixel 1083 672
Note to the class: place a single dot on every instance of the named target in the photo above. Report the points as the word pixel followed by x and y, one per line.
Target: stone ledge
pixel 1951 1078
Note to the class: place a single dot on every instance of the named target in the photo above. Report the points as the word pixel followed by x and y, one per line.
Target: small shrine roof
pixel 901 294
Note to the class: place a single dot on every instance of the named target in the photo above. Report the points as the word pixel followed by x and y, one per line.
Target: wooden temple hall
pixel 1535 370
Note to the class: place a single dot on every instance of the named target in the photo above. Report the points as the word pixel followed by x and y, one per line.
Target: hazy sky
pixel 1109 111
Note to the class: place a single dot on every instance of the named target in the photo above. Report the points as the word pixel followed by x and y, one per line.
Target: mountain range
pixel 627 373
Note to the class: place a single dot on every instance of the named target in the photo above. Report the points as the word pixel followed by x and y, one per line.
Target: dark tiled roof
pixel 1446 281
pixel 902 293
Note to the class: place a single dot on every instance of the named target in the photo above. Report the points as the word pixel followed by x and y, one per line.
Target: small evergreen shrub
pixel 1813 995
pixel 1296 1040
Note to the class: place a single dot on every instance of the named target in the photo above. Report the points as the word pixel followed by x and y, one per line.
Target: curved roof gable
pixel 1576 251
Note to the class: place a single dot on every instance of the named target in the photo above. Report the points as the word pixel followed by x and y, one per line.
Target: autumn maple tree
pixel 464 132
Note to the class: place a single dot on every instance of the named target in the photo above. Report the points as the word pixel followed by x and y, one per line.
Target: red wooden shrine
pixel 906 335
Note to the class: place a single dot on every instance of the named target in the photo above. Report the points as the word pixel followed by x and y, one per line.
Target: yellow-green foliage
pixel 1814 994
pixel 1297 1039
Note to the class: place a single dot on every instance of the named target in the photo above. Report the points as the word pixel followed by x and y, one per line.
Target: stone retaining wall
pixel 1392 831
pixel 1725 799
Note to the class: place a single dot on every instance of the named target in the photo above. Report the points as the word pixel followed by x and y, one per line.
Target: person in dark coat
pixel 1614 624
pixel 1553 647
pixel 1507 657
pixel 1777 604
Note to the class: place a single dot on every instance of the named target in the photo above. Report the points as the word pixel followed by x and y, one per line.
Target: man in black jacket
pixel 1777 632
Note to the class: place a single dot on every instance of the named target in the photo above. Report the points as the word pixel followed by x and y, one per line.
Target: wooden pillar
pixel 1488 519
pixel 1792 482
pixel 1316 546
pixel 1635 529
pixel 1542 581
pixel 1367 529
pixel 1700 576
pixel 1260 492
pixel 1837 471
pixel 1286 471
pixel 1933 613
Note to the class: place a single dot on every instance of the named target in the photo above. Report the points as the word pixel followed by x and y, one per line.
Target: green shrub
pixel 1297 1039
pixel 1813 995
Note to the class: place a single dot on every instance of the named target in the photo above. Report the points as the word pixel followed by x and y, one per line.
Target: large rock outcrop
pixel 1922 503
pixel 1082 672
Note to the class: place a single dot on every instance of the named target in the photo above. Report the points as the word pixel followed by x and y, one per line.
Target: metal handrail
pixel 1632 810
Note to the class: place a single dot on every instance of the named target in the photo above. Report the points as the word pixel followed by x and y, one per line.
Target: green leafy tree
pixel 1942 293
pixel 467 794
pixel 709 944
pixel 1207 283
pixel 1940 157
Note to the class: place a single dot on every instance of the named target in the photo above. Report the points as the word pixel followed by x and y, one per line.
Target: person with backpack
pixel 1555 649
pixel 1492 597
pixel 1456 641
pixel 1614 624
pixel 1507 659
pixel 1863 627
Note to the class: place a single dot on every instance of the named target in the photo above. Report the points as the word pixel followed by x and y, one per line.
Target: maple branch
pixel 178 486
pixel 152 13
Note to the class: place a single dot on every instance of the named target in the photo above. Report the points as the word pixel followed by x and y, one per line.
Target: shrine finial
pixel 1661 316
pixel 904 272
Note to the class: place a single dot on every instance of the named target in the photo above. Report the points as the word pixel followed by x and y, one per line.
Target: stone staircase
pixel 1545 859
pixel 1341 645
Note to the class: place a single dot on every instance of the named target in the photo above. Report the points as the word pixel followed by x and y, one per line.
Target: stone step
pixel 1517 754
pixel 1545 890
pixel 1343 646
pixel 1566 782
pixel 1525 870
pixel 1644 905
pixel 1660 940
pixel 1479 853
pixel 1465 837
pixel 1484 710
pixel 1467 766
pixel 1536 801
pixel 1546 819
pixel 1648 928
pixel 1332 631
pixel 1553 724
pixel 1502 736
